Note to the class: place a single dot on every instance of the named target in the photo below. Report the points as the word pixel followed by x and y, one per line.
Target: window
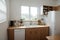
pixel 2 11
pixel 29 13
pixel 25 12
pixel 33 11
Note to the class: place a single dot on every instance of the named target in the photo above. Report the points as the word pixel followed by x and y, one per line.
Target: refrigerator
pixel 54 22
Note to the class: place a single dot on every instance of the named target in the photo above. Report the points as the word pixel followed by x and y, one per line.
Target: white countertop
pixel 28 26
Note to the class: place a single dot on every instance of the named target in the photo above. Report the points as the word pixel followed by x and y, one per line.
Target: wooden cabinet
pixel 46 9
pixel 10 34
pixel 32 34
pixel 36 33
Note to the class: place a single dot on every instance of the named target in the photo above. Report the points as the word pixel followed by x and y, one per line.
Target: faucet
pixel 30 22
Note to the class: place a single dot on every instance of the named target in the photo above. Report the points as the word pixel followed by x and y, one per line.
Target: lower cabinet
pixel 28 33
pixel 36 33
pixel 32 34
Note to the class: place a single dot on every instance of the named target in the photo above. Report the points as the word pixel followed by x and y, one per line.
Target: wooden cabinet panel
pixel 43 33
pixel 30 35
pixel 36 33
pixel 10 34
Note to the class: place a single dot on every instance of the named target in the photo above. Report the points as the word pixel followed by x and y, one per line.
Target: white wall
pixel 4 26
pixel 55 2
pixel 15 6
pixel 58 2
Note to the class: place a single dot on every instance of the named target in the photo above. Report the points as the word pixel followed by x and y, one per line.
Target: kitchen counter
pixel 56 37
pixel 30 26
pixel 29 32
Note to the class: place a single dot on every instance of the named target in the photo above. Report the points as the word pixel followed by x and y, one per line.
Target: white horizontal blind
pixel 2 11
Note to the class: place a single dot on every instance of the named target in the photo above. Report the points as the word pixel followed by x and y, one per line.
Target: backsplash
pixel 27 22
pixel 30 23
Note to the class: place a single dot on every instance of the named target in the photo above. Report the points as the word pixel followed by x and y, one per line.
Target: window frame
pixel 30 14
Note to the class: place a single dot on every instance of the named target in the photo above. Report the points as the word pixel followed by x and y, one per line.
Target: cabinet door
pixel 10 34
pixel 19 34
pixel 37 33
pixel 32 34
pixel 44 31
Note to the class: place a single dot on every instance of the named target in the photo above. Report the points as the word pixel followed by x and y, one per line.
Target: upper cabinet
pixel 46 9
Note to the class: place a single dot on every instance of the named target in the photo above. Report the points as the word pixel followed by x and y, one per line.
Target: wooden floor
pixel 55 37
